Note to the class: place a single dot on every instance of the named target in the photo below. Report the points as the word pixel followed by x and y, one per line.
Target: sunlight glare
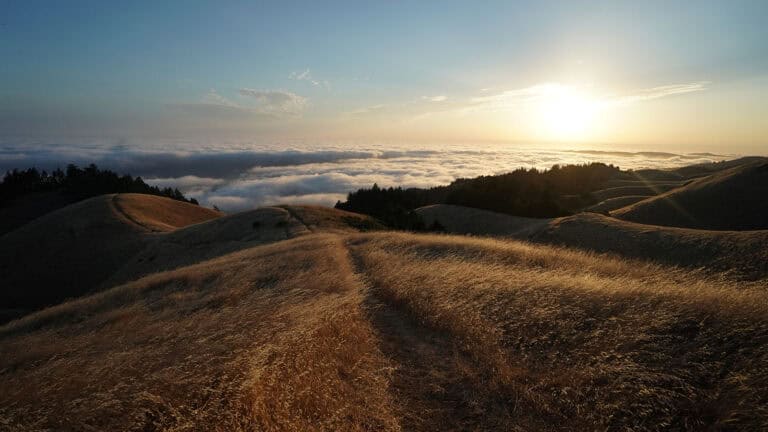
pixel 565 113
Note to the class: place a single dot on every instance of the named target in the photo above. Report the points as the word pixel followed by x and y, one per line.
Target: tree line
pixel 559 191
pixel 81 183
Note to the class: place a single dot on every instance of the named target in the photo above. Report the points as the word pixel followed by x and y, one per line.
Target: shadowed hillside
pixel 396 332
pixel 71 251
pixel 742 253
pixel 727 200
pixel 468 220
pixel 118 238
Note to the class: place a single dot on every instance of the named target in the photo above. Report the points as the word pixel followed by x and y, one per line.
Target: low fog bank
pixel 240 179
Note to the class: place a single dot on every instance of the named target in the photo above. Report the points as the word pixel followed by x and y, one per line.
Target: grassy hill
pixel 742 253
pixel 73 250
pixel 112 239
pixel 394 331
pixel 733 199
pixel 301 318
pixel 467 220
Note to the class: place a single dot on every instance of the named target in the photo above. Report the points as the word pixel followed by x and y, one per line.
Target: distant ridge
pixel 733 199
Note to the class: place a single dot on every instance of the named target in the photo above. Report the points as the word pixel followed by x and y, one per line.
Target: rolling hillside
pixel 393 331
pixel 112 239
pixel 71 251
pixel 742 253
pixel 309 318
pixel 467 220
pixel 733 199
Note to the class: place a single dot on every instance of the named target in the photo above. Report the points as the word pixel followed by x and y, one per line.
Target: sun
pixel 565 113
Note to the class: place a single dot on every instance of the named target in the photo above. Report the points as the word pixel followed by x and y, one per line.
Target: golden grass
pixel 264 339
pixel 572 341
pixel 394 331
pixel 162 214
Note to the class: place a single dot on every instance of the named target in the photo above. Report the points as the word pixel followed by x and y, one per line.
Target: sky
pixel 681 75
pixel 245 103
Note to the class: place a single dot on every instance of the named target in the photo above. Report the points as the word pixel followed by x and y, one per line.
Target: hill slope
pixel 734 199
pixel 742 253
pixel 395 331
pixel 72 250
pixel 467 220
pixel 113 239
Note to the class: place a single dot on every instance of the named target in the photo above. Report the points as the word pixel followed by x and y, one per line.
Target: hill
pixel 231 233
pixel 744 254
pixel 610 204
pixel 468 220
pixel 71 251
pixel 733 199
pixel 394 331
pixel 307 318
pixel 113 239
pixel 28 194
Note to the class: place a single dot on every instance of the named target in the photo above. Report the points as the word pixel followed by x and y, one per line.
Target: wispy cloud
pixel 212 105
pixel 372 109
pixel 306 75
pixel 511 98
pixel 276 101
pixel 439 98
pixel 268 103
pixel 517 97
pixel 662 91
pixel 213 97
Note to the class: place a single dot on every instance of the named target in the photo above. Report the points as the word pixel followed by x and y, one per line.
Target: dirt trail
pixel 436 385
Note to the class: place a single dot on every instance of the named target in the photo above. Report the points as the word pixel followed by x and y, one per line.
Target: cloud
pixel 440 98
pixel 306 75
pixel 662 91
pixel 509 99
pixel 214 98
pixel 244 179
pixel 212 104
pixel 372 109
pixel 269 104
pixel 275 101
pixel 517 96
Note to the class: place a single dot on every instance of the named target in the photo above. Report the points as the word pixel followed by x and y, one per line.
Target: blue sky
pixel 405 71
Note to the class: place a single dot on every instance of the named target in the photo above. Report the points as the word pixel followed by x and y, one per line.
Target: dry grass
pixel 612 204
pixel 744 254
pixel 264 339
pixel 66 253
pixel 733 199
pixel 391 331
pixel 162 214
pixel 644 189
pixel 467 220
pixel 571 341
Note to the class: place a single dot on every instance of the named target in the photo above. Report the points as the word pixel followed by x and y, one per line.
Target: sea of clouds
pixel 237 178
